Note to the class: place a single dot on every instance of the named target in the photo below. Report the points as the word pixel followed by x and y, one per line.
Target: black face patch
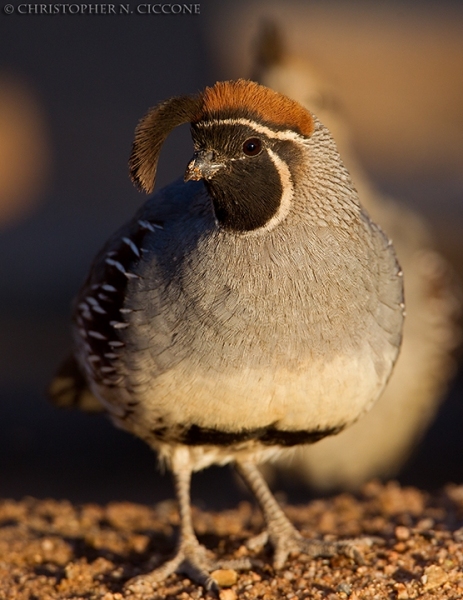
pixel 247 191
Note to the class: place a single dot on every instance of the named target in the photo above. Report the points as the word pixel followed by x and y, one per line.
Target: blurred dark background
pixel 72 88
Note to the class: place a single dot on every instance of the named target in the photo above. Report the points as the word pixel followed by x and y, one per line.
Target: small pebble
pixel 227 595
pixel 344 588
pixel 47 545
pixel 225 577
pixel 402 533
pixel 458 535
pixel 424 524
pixel 434 576
pixel 402 593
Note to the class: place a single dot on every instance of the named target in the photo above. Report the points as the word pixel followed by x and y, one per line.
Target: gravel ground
pixel 52 549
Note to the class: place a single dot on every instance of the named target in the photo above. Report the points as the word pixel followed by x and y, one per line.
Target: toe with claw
pixel 190 560
pixel 281 534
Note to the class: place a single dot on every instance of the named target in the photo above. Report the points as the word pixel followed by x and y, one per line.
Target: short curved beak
pixel 202 166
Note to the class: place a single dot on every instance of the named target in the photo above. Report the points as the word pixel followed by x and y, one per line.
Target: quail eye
pixel 252 147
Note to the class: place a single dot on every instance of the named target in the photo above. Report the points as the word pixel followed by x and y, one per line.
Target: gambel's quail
pixel 250 307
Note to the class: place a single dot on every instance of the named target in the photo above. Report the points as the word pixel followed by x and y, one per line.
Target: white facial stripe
pixel 286 198
pixel 271 133
pixel 288 190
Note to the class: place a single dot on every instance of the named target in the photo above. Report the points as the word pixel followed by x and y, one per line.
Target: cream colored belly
pixel 320 395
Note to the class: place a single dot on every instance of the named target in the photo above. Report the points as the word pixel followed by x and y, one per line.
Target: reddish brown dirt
pixel 51 549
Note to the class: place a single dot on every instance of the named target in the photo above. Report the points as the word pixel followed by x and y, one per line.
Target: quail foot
pixel 249 307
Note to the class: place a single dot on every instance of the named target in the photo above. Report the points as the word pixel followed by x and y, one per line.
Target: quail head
pixel 249 307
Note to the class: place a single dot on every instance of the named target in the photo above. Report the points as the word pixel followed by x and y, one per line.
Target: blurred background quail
pixel 395 68
pixel 378 445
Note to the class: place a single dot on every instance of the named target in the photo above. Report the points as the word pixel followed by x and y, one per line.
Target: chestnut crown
pixel 229 99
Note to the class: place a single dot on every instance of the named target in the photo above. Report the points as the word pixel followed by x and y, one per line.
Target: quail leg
pixel 190 558
pixel 283 536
